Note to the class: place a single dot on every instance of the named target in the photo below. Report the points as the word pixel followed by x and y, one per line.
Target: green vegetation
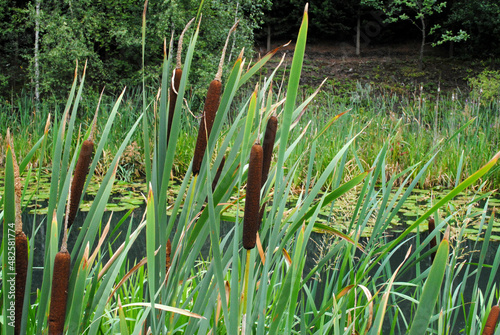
pixel 268 289
pixel 486 86
pixel 423 124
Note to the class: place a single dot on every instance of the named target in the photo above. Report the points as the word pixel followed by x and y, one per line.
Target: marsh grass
pixel 267 289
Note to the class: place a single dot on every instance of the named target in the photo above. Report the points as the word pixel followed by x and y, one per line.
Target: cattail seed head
pixel 431 226
pixel 169 252
pixel 59 295
pixel 218 173
pixel 269 138
pixel 81 171
pixel 21 272
pixel 252 202
pixel 174 88
pixel 491 322
pixel 207 121
pixel 268 145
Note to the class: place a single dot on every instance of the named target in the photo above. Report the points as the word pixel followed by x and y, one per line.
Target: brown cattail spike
pixel 433 242
pixel 176 81
pixel 81 171
pixel 218 173
pixel 174 88
pixel 269 137
pixel 207 121
pixel 212 102
pixel 252 202
pixel 491 322
pixel 169 252
pixel 59 293
pixel 21 272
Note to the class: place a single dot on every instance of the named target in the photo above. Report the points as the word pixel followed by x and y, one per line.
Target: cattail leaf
pixel 319 184
pixel 54 195
pixel 379 318
pixel 108 128
pixel 173 136
pixel 246 144
pixel 9 218
pixel 75 312
pixel 69 134
pixel 93 218
pixel 453 193
pixel 257 66
pixel 123 320
pixel 150 248
pixel 145 123
pixel 335 194
pixel 31 153
pixel 326 229
pixel 166 309
pixel 431 289
pixel 291 96
pixel 107 282
pixel 214 222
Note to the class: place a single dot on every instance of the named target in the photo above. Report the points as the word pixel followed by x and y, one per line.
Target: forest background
pixel 40 40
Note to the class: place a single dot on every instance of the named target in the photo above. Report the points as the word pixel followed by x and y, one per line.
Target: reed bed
pixel 234 287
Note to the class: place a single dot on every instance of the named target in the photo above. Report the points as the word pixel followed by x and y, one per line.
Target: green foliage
pixel 449 36
pixel 107 34
pixel 481 20
pixel 486 86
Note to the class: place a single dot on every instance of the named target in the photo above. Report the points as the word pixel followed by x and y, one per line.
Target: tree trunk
pixel 37 50
pixel 421 59
pixel 358 35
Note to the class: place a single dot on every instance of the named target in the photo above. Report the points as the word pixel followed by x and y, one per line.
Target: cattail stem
pixel 176 81
pixel 179 46
pixel 21 242
pixel 252 202
pixel 218 76
pixel 245 290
